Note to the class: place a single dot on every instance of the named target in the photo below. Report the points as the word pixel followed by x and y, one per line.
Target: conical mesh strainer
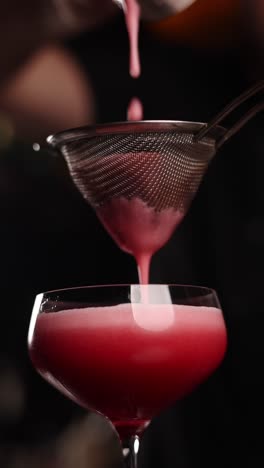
pixel 157 162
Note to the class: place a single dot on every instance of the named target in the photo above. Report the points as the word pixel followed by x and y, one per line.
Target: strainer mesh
pixel 164 169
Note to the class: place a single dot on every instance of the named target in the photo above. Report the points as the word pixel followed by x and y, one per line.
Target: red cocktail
pixel 127 351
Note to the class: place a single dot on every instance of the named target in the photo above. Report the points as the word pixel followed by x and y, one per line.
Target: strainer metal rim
pixel 179 126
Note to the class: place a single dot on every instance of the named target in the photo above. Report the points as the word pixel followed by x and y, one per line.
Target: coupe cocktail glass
pixel 127 351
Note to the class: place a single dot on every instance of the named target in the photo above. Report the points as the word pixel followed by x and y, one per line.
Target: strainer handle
pixel 245 96
pixel 240 123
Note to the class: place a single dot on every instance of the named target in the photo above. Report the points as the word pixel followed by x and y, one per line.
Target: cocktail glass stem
pixel 130 451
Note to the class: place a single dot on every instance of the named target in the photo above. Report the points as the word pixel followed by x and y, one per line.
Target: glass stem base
pixel 130 451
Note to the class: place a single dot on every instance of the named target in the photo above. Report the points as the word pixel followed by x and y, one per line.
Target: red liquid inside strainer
pixel 138 228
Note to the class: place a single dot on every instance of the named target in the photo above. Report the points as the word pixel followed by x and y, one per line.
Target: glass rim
pixel 195 292
pixel 193 287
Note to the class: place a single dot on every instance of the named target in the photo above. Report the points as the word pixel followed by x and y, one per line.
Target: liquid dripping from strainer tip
pixel 138 229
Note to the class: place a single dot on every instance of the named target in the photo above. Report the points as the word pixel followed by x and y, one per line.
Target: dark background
pixel 50 238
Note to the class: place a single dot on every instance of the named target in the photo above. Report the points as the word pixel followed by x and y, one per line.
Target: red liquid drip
pixel 138 229
pixel 135 110
pixel 128 361
pixel 132 16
